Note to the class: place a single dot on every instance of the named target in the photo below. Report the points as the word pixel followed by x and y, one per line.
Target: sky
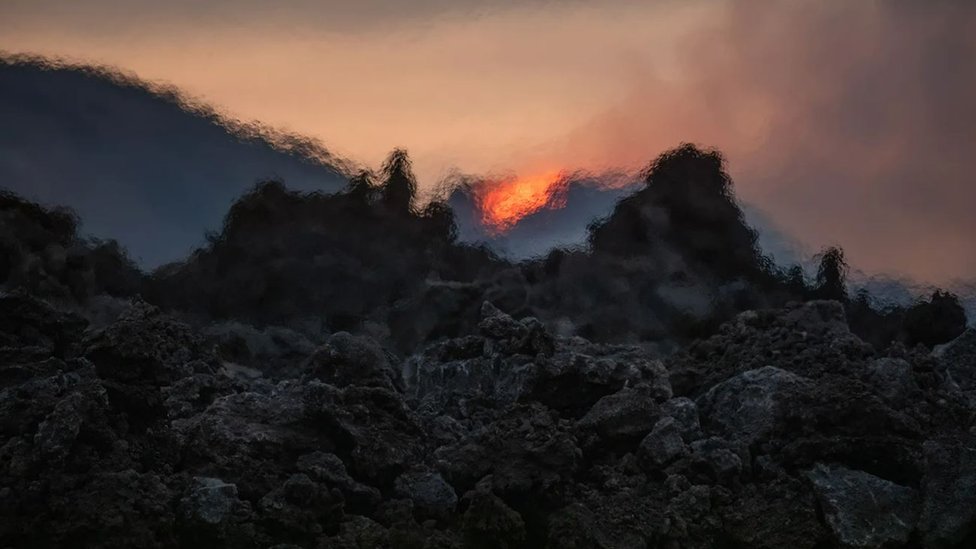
pixel 847 123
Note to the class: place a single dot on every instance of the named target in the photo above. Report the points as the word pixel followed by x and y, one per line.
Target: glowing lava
pixel 503 203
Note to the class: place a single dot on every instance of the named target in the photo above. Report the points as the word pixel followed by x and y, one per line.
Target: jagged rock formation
pixel 669 265
pixel 782 430
pixel 336 371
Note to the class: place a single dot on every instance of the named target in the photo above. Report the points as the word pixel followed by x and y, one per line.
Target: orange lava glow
pixel 503 203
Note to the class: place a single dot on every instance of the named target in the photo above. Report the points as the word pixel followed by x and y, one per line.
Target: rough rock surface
pixel 782 430
pixel 852 501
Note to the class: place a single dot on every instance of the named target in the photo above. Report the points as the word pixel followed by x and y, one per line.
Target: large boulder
pixel 212 514
pixel 209 501
pixel 581 373
pixel 662 445
pixel 491 524
pixel 863 510
pixel 141 352
pixel 300 510
pixel 347 360
pixel 328 469
pixel 242 437
pixel 948 516
pixel 371 428
pixel 449 375
pixel 747 407
pixel 627 415
pixel 958 360
pixel 511 336
pixel 146 346
pixel 892 378
pixel 431 495
pixel 527 449
pixel 114 510
pixel 781 512
pixel 358 532
pixel 684 412
pixel 718 459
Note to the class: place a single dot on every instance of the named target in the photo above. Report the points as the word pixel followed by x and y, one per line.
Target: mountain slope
pixel 138 163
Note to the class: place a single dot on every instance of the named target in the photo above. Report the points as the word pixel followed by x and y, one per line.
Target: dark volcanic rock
pixel 958 358
pixel 664 444
pixel 684 411
pixel 949 501
pixel 581 373
pixel 490 523
pixel 809 340
pixel 432 496
pixel 628 414
pixel 863 510
pixel 747 407
pixel 149 432
pixel 347 360
pixel 893 379
pixel 26 321
pixel 526 450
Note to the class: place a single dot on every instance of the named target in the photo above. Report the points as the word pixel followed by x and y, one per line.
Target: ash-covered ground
pixel 336 370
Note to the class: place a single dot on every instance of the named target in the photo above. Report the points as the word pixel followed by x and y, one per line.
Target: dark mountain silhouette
pixel 342 259
pixel 689 206
pixel 659 268
pixel 139 163
pixel 670 263
pixel 671 260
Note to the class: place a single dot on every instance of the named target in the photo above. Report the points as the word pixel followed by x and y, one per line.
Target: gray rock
pixel 629 413
pixel 576 526
pixel 948 497
pixel 299 508
pixel 384 435
pixel 718 457
pixel 441 387
pixel 358 532
pixel 347 360
pixel 210 501
pixel 892 378
pixel 958 360
pixel 863 510
pixel 432 496
pixel 747 407
pixel 511 336
pixel 663 444
pixel 489 518
pixel 580 373
pixel 527 448
pixel 685 414
pixel 58 431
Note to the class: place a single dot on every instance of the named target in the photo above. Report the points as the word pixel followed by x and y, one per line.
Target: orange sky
pixel 845 122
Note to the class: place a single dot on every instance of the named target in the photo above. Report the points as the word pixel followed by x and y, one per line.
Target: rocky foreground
pixel 783 430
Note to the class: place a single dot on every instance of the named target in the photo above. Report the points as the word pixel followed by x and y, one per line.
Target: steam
pixel 844 122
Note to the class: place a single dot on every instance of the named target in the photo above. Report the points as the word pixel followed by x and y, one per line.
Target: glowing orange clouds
pixel 503 203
